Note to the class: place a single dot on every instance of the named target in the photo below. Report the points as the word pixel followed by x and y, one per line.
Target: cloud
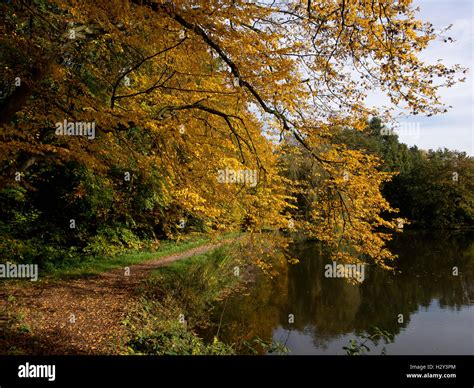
pixel 453 129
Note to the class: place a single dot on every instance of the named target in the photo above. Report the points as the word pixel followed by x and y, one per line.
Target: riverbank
pixel 82 309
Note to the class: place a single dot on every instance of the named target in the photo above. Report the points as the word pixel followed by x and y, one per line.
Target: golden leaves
pixel 217 85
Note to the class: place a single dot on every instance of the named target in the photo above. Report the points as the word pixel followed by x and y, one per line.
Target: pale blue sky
pixel 454 129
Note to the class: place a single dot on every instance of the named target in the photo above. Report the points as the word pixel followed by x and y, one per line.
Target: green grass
pixel 95 265
pixel 191 287
pixel 182 266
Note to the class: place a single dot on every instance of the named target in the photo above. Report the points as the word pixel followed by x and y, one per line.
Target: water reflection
pixel 437 308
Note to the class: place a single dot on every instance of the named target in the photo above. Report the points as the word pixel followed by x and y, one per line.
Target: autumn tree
pixel 182 90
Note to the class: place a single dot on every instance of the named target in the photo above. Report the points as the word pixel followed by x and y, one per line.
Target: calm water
pixel 437 307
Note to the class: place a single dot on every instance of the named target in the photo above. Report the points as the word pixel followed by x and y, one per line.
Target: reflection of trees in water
pixel 327 308
pixel 257 313
pixel 328 304
pixel 427 260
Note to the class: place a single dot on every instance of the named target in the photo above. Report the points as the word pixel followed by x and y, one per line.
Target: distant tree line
pixel 433 189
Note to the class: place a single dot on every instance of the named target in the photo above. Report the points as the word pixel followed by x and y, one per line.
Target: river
pixel 426 303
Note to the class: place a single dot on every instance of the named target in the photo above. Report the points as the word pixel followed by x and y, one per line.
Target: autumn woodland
pixel 162 160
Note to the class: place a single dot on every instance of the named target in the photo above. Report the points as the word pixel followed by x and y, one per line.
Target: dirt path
pixel 81 316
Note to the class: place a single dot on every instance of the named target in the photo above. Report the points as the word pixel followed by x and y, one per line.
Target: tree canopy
pixel 179 91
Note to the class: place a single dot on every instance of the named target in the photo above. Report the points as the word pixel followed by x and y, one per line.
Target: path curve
pixel 79 316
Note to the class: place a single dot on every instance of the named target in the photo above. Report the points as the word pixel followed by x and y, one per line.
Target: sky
pixel 454 129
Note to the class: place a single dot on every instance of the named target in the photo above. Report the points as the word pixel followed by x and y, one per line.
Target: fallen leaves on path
pixel 77 316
